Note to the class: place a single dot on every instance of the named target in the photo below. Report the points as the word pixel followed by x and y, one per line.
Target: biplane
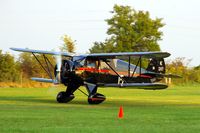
pixel 102 70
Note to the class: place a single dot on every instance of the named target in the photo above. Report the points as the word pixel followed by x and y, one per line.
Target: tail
pixel 156 65
pixel 157 69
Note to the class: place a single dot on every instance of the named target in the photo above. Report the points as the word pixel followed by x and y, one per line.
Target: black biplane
pixel 102 69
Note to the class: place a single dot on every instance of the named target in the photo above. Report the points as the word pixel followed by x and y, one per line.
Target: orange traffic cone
pixel 121 112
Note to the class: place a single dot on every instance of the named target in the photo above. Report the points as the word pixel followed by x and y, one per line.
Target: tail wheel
pixel 96 98
pixel 63 97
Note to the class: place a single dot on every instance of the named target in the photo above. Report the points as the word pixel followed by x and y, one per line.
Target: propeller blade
pixel 58 68
pixel 58 62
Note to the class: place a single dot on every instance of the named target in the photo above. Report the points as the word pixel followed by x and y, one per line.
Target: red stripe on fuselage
pixel 145 76
pixel 111 72
pixel 93 70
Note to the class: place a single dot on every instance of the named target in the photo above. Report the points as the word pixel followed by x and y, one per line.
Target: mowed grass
pixel 33 110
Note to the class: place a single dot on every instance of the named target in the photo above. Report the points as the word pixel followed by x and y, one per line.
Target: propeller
pixel 58 69
pixel 53 90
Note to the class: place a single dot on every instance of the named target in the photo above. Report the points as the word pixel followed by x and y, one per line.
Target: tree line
pixel 180 66
pixel 19 70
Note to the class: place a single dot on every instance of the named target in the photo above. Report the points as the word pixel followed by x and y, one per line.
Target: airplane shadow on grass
pixel 82 102
pixel 26 99
pixel 39 100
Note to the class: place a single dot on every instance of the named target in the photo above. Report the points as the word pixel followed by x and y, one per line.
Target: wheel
pixel 63 97
pixel 96 98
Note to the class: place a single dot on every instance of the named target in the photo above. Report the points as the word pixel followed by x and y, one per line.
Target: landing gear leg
pixel 94 97
pixel 73 84
pixel 64 97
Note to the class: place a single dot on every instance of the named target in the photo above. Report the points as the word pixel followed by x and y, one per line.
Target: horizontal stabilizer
pixel 172 76
pixel 44 80
pixel 146 86
pixel 162 75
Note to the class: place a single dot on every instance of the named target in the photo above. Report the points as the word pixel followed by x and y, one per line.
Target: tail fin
pixel 156 68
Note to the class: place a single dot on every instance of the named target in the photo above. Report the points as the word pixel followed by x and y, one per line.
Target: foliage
pixel 27 64
pixel 69 44
pixel 195 74
pixel 180 67
pixel 197 67
pixel 9 69
pixel 130 30
pixel 31 68
pixel 103 47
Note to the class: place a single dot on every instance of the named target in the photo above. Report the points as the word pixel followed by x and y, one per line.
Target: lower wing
pixel 146 86
pixel 45 80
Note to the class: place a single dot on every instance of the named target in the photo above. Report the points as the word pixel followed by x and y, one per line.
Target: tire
pixel 62 97
pixel 96 98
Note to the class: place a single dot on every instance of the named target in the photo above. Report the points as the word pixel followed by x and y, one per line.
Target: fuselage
pixel 116 71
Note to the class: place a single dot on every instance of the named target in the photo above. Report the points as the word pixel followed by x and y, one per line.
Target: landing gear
pixel 96 98
pixel 63 97
pixel 72 81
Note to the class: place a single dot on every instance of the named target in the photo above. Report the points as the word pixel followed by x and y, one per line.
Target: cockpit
pixel 99 66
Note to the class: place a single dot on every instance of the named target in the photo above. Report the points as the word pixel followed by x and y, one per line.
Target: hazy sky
pixel 39 24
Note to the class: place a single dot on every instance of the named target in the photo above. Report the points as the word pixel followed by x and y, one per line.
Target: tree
pixel 103 47
pixel 130 30
pixel 197 67
pixel 28 65
pixel 9 69
pixel 69 44
pixel 31 68
pixel 195 74
pixel 180 67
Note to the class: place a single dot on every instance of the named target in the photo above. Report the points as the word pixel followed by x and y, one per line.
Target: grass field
pixel 33 110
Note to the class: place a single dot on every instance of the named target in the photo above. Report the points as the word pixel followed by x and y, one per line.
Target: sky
pixel 40 24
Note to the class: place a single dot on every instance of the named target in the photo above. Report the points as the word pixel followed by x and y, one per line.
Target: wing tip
pixel 12 48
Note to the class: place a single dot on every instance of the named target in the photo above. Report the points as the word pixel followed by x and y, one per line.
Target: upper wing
pixel 99 55
pixel 139 54
pixel 42 52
